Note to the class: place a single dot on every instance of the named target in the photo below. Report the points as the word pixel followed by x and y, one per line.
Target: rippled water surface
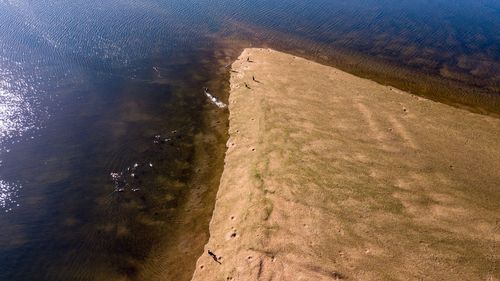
pixel 87 86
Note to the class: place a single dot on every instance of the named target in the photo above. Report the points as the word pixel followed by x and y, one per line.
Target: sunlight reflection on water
pixel 16 113
pixel 17 118
pixel 8 194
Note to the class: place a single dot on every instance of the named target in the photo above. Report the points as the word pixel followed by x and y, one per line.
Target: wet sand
pixel 329 176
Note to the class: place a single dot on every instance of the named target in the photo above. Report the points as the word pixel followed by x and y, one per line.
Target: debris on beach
pixel 255 80
pixel 213 99
pixel 214 256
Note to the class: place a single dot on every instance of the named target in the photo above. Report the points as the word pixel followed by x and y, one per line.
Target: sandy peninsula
pixel 329 176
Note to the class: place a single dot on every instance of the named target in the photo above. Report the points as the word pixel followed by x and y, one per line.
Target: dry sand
pixel 328 176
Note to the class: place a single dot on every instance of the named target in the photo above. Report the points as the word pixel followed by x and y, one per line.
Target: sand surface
pixel 328 176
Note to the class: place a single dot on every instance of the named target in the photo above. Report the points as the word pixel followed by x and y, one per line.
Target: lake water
pixel 85 86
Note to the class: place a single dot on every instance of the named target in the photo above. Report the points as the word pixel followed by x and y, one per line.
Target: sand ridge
pixel 329 176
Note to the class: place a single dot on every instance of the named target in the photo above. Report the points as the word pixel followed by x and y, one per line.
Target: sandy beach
pixel 329 176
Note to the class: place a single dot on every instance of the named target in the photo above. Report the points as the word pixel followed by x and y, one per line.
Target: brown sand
pixel 328 176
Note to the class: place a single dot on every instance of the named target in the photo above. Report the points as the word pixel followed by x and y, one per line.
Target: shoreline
pixel 176 255
pixel 369 183
pixel 476 98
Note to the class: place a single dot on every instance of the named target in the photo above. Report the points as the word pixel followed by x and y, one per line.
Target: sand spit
pixel 328 176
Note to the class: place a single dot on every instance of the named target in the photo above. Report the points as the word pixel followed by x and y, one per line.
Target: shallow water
pixel 86 85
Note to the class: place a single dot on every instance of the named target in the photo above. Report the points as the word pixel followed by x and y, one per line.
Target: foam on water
pixel 215 100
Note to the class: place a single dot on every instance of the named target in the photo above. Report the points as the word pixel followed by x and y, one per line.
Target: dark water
pixel 86 85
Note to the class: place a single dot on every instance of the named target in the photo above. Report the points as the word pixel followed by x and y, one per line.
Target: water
pixel 86 85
